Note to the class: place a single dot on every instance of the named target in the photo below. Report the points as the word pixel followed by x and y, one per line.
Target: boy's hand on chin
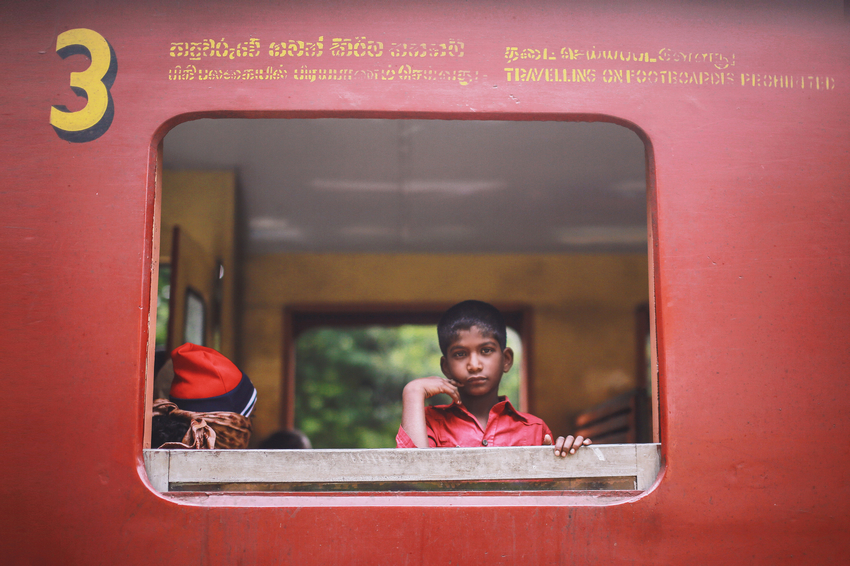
pixel 564 445
pixel 430 386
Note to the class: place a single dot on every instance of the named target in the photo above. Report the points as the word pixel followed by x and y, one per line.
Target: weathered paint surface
pixel 752 267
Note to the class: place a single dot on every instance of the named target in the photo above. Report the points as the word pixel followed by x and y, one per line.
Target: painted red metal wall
pixel 746 114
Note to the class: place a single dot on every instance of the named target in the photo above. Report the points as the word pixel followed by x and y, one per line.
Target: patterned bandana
pixel 221 430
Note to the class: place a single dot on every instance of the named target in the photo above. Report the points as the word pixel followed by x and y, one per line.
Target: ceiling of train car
pixel 364 185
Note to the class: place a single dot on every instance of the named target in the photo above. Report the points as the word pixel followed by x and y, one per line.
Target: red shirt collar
pixel 502 407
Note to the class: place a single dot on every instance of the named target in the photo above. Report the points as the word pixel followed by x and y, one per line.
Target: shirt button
pixel 484 442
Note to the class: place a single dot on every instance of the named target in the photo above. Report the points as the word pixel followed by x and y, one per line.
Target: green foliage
pixel 163 291
pixel 349 381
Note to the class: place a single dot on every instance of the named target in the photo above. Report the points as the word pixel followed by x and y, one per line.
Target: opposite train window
pixel 349 380
pixel 376 214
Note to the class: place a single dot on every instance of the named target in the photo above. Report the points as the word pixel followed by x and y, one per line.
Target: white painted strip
pixel 246 412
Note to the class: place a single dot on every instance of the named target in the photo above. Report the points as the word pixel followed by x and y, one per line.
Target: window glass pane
pixel 195 313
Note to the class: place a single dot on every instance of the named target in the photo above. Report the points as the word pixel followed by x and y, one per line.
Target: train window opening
pixel 263 216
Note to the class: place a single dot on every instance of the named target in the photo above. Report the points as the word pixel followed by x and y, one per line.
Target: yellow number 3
pixel 93 84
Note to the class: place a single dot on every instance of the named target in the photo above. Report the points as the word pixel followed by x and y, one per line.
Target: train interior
pixel 279 238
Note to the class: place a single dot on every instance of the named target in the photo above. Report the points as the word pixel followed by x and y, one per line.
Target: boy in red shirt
pixel 472 337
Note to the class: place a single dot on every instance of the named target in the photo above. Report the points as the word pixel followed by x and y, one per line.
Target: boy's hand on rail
pixel 564 445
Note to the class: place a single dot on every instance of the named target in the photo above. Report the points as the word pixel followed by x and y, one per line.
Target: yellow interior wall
pixel 582 310
pixel 203 204
pixel 194 271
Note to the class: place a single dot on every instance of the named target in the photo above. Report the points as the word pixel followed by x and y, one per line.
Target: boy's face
pixel 476 362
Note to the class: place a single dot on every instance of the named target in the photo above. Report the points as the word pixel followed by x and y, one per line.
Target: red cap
pixel 205 380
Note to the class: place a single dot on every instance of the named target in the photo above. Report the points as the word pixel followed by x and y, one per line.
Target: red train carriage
pixel 743 116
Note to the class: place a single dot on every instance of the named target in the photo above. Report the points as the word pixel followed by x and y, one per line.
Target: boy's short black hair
pixel 467 314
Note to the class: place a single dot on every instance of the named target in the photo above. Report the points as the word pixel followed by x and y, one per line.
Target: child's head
pixel 167 428
pixel 467 314
pixel 290 439
pixel 475 356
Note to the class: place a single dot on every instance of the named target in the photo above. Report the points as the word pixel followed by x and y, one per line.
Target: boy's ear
pixel 444 367
pixel 508 356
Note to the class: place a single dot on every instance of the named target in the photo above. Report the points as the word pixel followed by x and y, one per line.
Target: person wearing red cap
pixel 210 396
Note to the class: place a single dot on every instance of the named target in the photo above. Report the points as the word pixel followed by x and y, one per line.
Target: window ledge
pixel 608 467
